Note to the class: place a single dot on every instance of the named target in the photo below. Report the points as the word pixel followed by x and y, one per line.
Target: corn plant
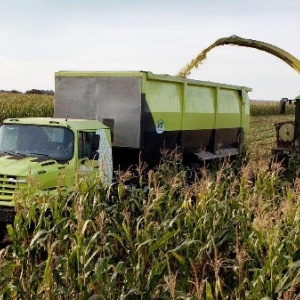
pixel 226 233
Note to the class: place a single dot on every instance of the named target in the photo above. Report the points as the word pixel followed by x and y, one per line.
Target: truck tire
pixel 3 232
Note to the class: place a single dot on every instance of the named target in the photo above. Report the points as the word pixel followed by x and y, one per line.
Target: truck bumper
pixel 284 152
pixel 7 214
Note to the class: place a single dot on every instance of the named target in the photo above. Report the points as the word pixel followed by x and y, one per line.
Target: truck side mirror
pixel 95 146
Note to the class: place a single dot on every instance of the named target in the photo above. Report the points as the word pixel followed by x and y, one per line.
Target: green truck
pixel 110 120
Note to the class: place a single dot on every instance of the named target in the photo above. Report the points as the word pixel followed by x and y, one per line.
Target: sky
pixel 41 37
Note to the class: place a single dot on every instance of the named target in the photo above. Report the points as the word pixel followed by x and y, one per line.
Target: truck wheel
pixel 3 232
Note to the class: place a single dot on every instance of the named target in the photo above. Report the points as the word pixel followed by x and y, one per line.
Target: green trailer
pixel 148 112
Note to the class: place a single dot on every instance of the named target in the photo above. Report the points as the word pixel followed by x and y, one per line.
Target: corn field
pixel 232 233
pixel 25 105
pixel 264 108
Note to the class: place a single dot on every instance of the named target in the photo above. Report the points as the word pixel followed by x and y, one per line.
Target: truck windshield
pixel 33 140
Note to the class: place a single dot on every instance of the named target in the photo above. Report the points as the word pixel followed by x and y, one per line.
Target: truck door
pixel 94 154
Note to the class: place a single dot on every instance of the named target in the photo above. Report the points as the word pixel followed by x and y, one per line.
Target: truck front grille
pixel 9 185
pixel 7 214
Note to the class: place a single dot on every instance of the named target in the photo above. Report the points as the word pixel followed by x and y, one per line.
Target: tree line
pixel 32 91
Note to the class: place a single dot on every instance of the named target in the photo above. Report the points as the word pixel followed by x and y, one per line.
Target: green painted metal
pixel 74 124
pixel 186 104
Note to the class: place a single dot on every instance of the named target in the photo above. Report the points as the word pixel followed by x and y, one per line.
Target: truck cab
pixel 50 150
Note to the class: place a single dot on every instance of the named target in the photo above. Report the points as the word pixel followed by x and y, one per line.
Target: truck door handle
pixel 83 161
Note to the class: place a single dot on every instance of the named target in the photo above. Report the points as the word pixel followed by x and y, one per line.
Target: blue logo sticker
pixel 160 126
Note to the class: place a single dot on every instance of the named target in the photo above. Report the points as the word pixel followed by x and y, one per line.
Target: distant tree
pixel 49 92
pixel 34 91
pixel 40 92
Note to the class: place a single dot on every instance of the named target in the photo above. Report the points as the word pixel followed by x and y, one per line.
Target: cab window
pixel 84 144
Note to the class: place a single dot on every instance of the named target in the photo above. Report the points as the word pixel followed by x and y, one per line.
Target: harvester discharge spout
pixel 239 41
